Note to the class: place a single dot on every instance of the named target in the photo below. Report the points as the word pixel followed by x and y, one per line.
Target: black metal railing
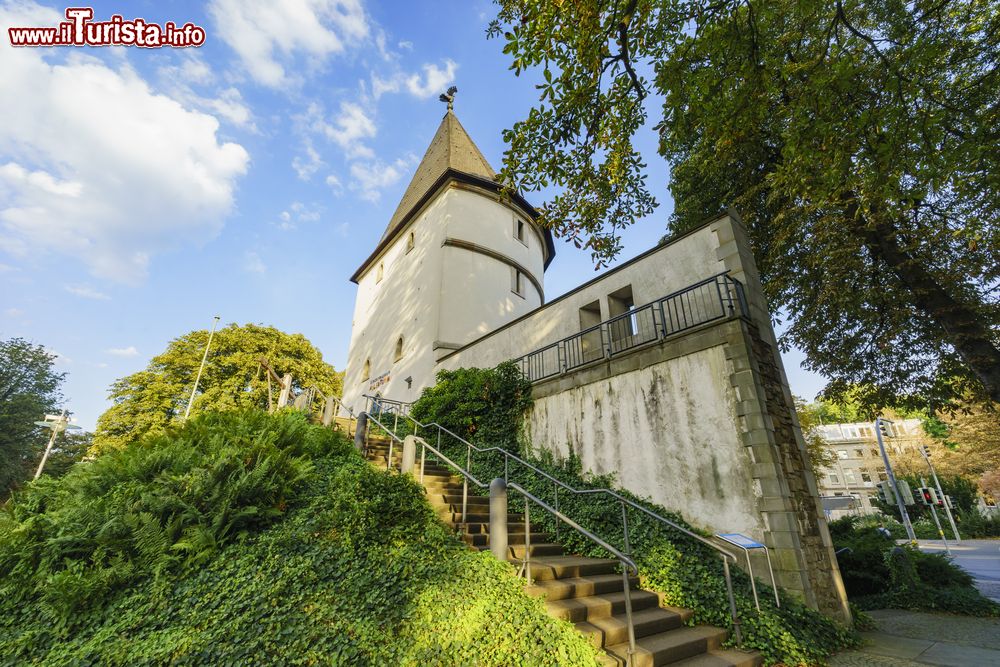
pixel 716 298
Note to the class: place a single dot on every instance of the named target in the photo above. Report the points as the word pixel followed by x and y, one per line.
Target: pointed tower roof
pixel 451 148
pixel 452 155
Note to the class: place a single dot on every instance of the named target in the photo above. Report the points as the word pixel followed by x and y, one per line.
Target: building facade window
pixel 410 242
pixel 380 273
pixel 519 232
pixel 842 453
pixel 517 282
pixel 399 349
pixel 366 371
pixel 860 453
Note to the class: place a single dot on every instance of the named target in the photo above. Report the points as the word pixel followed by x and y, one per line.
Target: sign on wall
pixel 378 381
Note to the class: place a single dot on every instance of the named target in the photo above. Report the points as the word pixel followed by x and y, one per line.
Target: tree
pixel 29 388
pixel 69 448
pixel 820 456
pixel 150 400
pixel 858 140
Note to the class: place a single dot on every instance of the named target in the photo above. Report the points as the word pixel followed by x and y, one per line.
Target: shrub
pixel 686 572
pixel 340 563
pixel 877 573
pixel 480 405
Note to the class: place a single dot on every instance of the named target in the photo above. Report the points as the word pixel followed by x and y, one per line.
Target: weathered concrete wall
pixel 667 430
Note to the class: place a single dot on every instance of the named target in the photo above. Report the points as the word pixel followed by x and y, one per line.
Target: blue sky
pixel 143 191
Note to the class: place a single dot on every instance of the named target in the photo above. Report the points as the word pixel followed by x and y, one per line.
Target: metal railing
pixel 715 298
pixel 558 484
pixel 629 566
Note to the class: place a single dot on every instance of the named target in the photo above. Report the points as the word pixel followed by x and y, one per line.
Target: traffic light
pixel 927 496
pixel 904 491
pixel 884 425
pixel 885 493
pixel 949 502
pixel 927 451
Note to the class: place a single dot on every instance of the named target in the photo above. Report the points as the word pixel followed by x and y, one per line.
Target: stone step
pixel 599 606
pixel 613 630
pixel 473 528
pixel 547 568
pixel 539 548
pixel 722 658
pixel 668 647
pixel 572 587
pixel 455 517
pixel 483 539
pixel 456 499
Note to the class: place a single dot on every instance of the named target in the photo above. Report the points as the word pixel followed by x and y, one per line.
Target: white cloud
pixel 13 313
pixel 98 166
pixel 253 263
pixel 349 130
pixel 129 351
pixel 371 178
pixel 434 80
pixel 178 81
pixel 296 214
pixel 267 35
pixel 61 359
pixel 306 166
pixel 5 268
pixel 335 184
pixel 86 292
pixel 343 229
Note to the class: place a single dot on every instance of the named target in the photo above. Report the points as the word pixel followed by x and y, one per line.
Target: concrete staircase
pixel 588 592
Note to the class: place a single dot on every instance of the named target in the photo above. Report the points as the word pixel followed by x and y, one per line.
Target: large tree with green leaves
pixel 858 140
pixel 29 388
pixel 148 401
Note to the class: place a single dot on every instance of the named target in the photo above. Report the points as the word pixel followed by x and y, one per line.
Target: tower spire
pixel 449 97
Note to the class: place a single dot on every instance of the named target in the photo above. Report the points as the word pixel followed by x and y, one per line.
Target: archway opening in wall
pixel 399 349
pixel 410 242
pixel 367 370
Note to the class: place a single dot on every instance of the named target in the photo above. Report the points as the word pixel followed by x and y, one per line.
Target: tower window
pixel 519 230
pixel 380 273
pixel 517 282
pixel 399 349
pixel 410 242
pixel 366 371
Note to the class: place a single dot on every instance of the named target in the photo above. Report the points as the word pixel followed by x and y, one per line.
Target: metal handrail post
pixel 556 489
pixel 774 586
pixel 388 460
pixel 423 458
pixel 732 604
pixel 628 547
pixel 465 490
pixel 527 542
pixel 629 660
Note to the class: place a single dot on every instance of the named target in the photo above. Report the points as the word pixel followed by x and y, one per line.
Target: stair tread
pixel 672 646
pixel 646 622
pixel 567 587
pixel 722 658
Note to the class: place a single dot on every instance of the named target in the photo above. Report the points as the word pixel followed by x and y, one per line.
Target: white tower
pixel 457 260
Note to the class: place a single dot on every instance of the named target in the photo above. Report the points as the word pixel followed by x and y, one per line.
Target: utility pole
pixel 201 368
pixel 925 452
pixel 58 424
pixel 879 425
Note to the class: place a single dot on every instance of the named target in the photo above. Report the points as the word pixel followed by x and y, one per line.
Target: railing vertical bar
pixel 527 542
pixel 556 489
pixel 628 616
pixel 737 631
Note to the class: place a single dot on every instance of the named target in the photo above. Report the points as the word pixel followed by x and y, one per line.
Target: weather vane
pixel 449 97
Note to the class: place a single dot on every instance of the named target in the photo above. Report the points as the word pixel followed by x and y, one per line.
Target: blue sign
pixel 741 540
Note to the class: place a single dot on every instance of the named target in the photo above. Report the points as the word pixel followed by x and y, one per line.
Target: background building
pixel 857 464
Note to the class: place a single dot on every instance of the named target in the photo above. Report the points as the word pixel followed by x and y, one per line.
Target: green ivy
pixel 686 572
pixel 339 563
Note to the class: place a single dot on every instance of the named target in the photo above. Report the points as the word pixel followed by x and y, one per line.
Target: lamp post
pixel 201 368
pixel 57 424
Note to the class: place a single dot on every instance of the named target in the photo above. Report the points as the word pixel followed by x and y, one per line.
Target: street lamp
pixel 58 424
pixel 194 389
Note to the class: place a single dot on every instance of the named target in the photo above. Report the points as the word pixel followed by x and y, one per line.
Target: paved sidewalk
pixel 917 638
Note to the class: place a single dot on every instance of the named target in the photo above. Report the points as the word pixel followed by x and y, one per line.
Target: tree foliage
pixel 148 401
pixel 29 388
pixel 858 140
pixel 821 457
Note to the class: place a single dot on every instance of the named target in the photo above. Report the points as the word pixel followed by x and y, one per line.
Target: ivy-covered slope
pixel 244 538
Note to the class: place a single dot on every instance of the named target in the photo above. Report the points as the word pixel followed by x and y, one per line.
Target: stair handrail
pixel 724 553
pixel 628 564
